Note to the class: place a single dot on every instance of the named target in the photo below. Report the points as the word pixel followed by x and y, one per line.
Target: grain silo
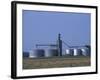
pixel 36 53
pixel 31 55
pixel 77 52
pixel 51 52
pixel 69 52
pixel 85 51
pixel 25 54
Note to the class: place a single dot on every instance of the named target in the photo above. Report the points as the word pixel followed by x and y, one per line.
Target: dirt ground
pixel 56 62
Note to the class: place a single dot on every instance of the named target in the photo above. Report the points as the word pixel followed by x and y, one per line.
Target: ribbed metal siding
pixel 51 52
pixel 69 52
pixel 85 52
pixel 77 52
pixel 37 53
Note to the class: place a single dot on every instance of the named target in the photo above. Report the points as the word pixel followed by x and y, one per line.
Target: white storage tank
pixel 77 52
pixel 69 52
pixel 85 51
pixel 31 55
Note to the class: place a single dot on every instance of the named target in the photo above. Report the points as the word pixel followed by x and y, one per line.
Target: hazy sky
pixel 43 28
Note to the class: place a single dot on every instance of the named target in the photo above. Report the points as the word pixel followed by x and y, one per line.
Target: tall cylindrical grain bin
pixel 69 52
pixel 51 52
pixel 31 55
pixel 77 52
pixel 85 52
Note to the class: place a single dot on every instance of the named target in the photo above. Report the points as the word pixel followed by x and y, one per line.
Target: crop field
pixel 56 62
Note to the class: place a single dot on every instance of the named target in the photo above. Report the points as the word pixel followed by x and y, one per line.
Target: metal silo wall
pixel 85 52
pixel 25 54
pixel 51 52
pixel 77 52
pixel 37 53
pixel 69 52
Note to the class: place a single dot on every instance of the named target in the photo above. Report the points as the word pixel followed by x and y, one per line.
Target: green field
pixel 56 62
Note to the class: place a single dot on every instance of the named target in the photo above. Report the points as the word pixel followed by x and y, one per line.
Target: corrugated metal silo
pixel 85 52
pixel 25 54
pixel 77 52
pixel 69 52
pixel 31 54
pixel 36 53
pixel 51 52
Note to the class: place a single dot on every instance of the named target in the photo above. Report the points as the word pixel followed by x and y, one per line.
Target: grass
pixel 56 62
